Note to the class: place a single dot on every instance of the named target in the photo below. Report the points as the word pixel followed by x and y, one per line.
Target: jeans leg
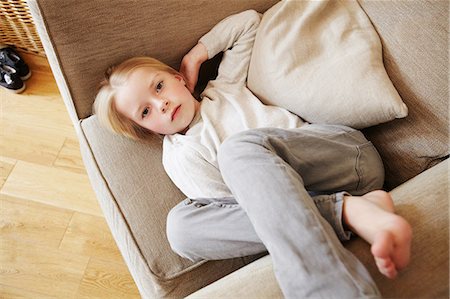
pixel 331 209
pixel 329 158
pixel 218 228
pixel 211 229
pixel 308 258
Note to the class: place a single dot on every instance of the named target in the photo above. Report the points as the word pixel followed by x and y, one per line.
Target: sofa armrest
pixel 256 280
pixel 423 201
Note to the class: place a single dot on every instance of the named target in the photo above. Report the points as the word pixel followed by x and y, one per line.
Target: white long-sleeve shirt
pixel 227 107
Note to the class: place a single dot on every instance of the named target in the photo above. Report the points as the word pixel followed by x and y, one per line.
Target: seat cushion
pixel 423 201
pixel 136 195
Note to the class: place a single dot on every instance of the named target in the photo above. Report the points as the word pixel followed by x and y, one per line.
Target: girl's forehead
pixel 136 86
pixel 143 70
pixel 133 88
pixel 145 75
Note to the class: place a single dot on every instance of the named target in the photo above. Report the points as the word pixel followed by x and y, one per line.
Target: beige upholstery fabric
pixel 254 281
pixel 136 195
pixel 414 35
pixel 322 60
pixel 423 201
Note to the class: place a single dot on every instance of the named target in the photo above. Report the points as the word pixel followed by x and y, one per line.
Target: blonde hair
pixel 104 105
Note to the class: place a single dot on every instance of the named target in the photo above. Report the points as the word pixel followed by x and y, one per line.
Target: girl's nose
pixel 164 105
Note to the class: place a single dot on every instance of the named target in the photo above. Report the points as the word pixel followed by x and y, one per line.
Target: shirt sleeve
pixel 235 36
pixel 192 174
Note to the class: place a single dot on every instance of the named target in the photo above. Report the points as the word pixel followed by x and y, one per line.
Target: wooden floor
pixel 54 241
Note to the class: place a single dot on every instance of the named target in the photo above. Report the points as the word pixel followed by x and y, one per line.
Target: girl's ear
pixel 180 77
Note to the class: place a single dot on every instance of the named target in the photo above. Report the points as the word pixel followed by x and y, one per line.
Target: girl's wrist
pixel 198 54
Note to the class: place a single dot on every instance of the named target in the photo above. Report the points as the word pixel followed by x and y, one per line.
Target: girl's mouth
pixel 175 112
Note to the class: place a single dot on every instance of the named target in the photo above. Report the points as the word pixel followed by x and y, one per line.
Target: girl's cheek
pixel 159 125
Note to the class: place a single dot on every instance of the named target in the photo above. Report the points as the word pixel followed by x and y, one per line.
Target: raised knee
pixel 180 235
pixel 372 169
pixel 238 145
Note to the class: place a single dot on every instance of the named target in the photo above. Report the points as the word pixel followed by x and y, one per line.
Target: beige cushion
pixel 423 201
pixel 322 60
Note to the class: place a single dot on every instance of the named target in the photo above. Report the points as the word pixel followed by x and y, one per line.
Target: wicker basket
pixel 17 27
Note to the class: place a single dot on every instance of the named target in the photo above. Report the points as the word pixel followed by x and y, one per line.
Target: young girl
pixel 257 177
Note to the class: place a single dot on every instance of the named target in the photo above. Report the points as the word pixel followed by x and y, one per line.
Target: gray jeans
pixel 288 188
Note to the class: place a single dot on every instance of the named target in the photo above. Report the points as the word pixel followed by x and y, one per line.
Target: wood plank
pixel 104 279
pixel 39 111
pixel 41 269
pixel 43 187
pixel 52 186
pixel 31 222
pixel 41 83
pixel 90 235
pixel 69 158
pixel 31 144
pixel 8 292
pixel 6 165
pixel 36 63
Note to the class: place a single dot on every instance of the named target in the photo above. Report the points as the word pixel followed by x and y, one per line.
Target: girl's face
pixel 157 100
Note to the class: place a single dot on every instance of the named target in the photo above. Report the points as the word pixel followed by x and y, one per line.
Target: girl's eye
pixel 145 112
pixel 159 86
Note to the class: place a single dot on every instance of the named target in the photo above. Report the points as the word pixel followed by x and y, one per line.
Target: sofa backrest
pixel 89 36
pixel 92 35
pixel 414 35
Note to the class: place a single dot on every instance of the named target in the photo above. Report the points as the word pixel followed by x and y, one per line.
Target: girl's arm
pixel 234 36
pixel 190 65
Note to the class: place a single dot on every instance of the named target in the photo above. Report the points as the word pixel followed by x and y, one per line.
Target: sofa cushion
pixel 423 201
pixel 322 60
pixel 136 195
pixel 414 35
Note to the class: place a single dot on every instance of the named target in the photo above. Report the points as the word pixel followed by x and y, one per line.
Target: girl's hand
pixel 190 65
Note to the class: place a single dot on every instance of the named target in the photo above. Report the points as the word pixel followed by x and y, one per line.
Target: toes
pixel 382 249
pixel 390 272
pixel 386 267
pixel 383 262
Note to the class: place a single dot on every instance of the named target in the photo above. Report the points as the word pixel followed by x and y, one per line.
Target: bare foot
pixel 382 199
pixel 372 217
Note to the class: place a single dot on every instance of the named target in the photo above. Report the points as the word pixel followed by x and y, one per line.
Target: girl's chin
pixel 184 130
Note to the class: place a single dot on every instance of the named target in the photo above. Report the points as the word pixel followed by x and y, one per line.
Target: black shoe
pixel 10 58
pixel 10 79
